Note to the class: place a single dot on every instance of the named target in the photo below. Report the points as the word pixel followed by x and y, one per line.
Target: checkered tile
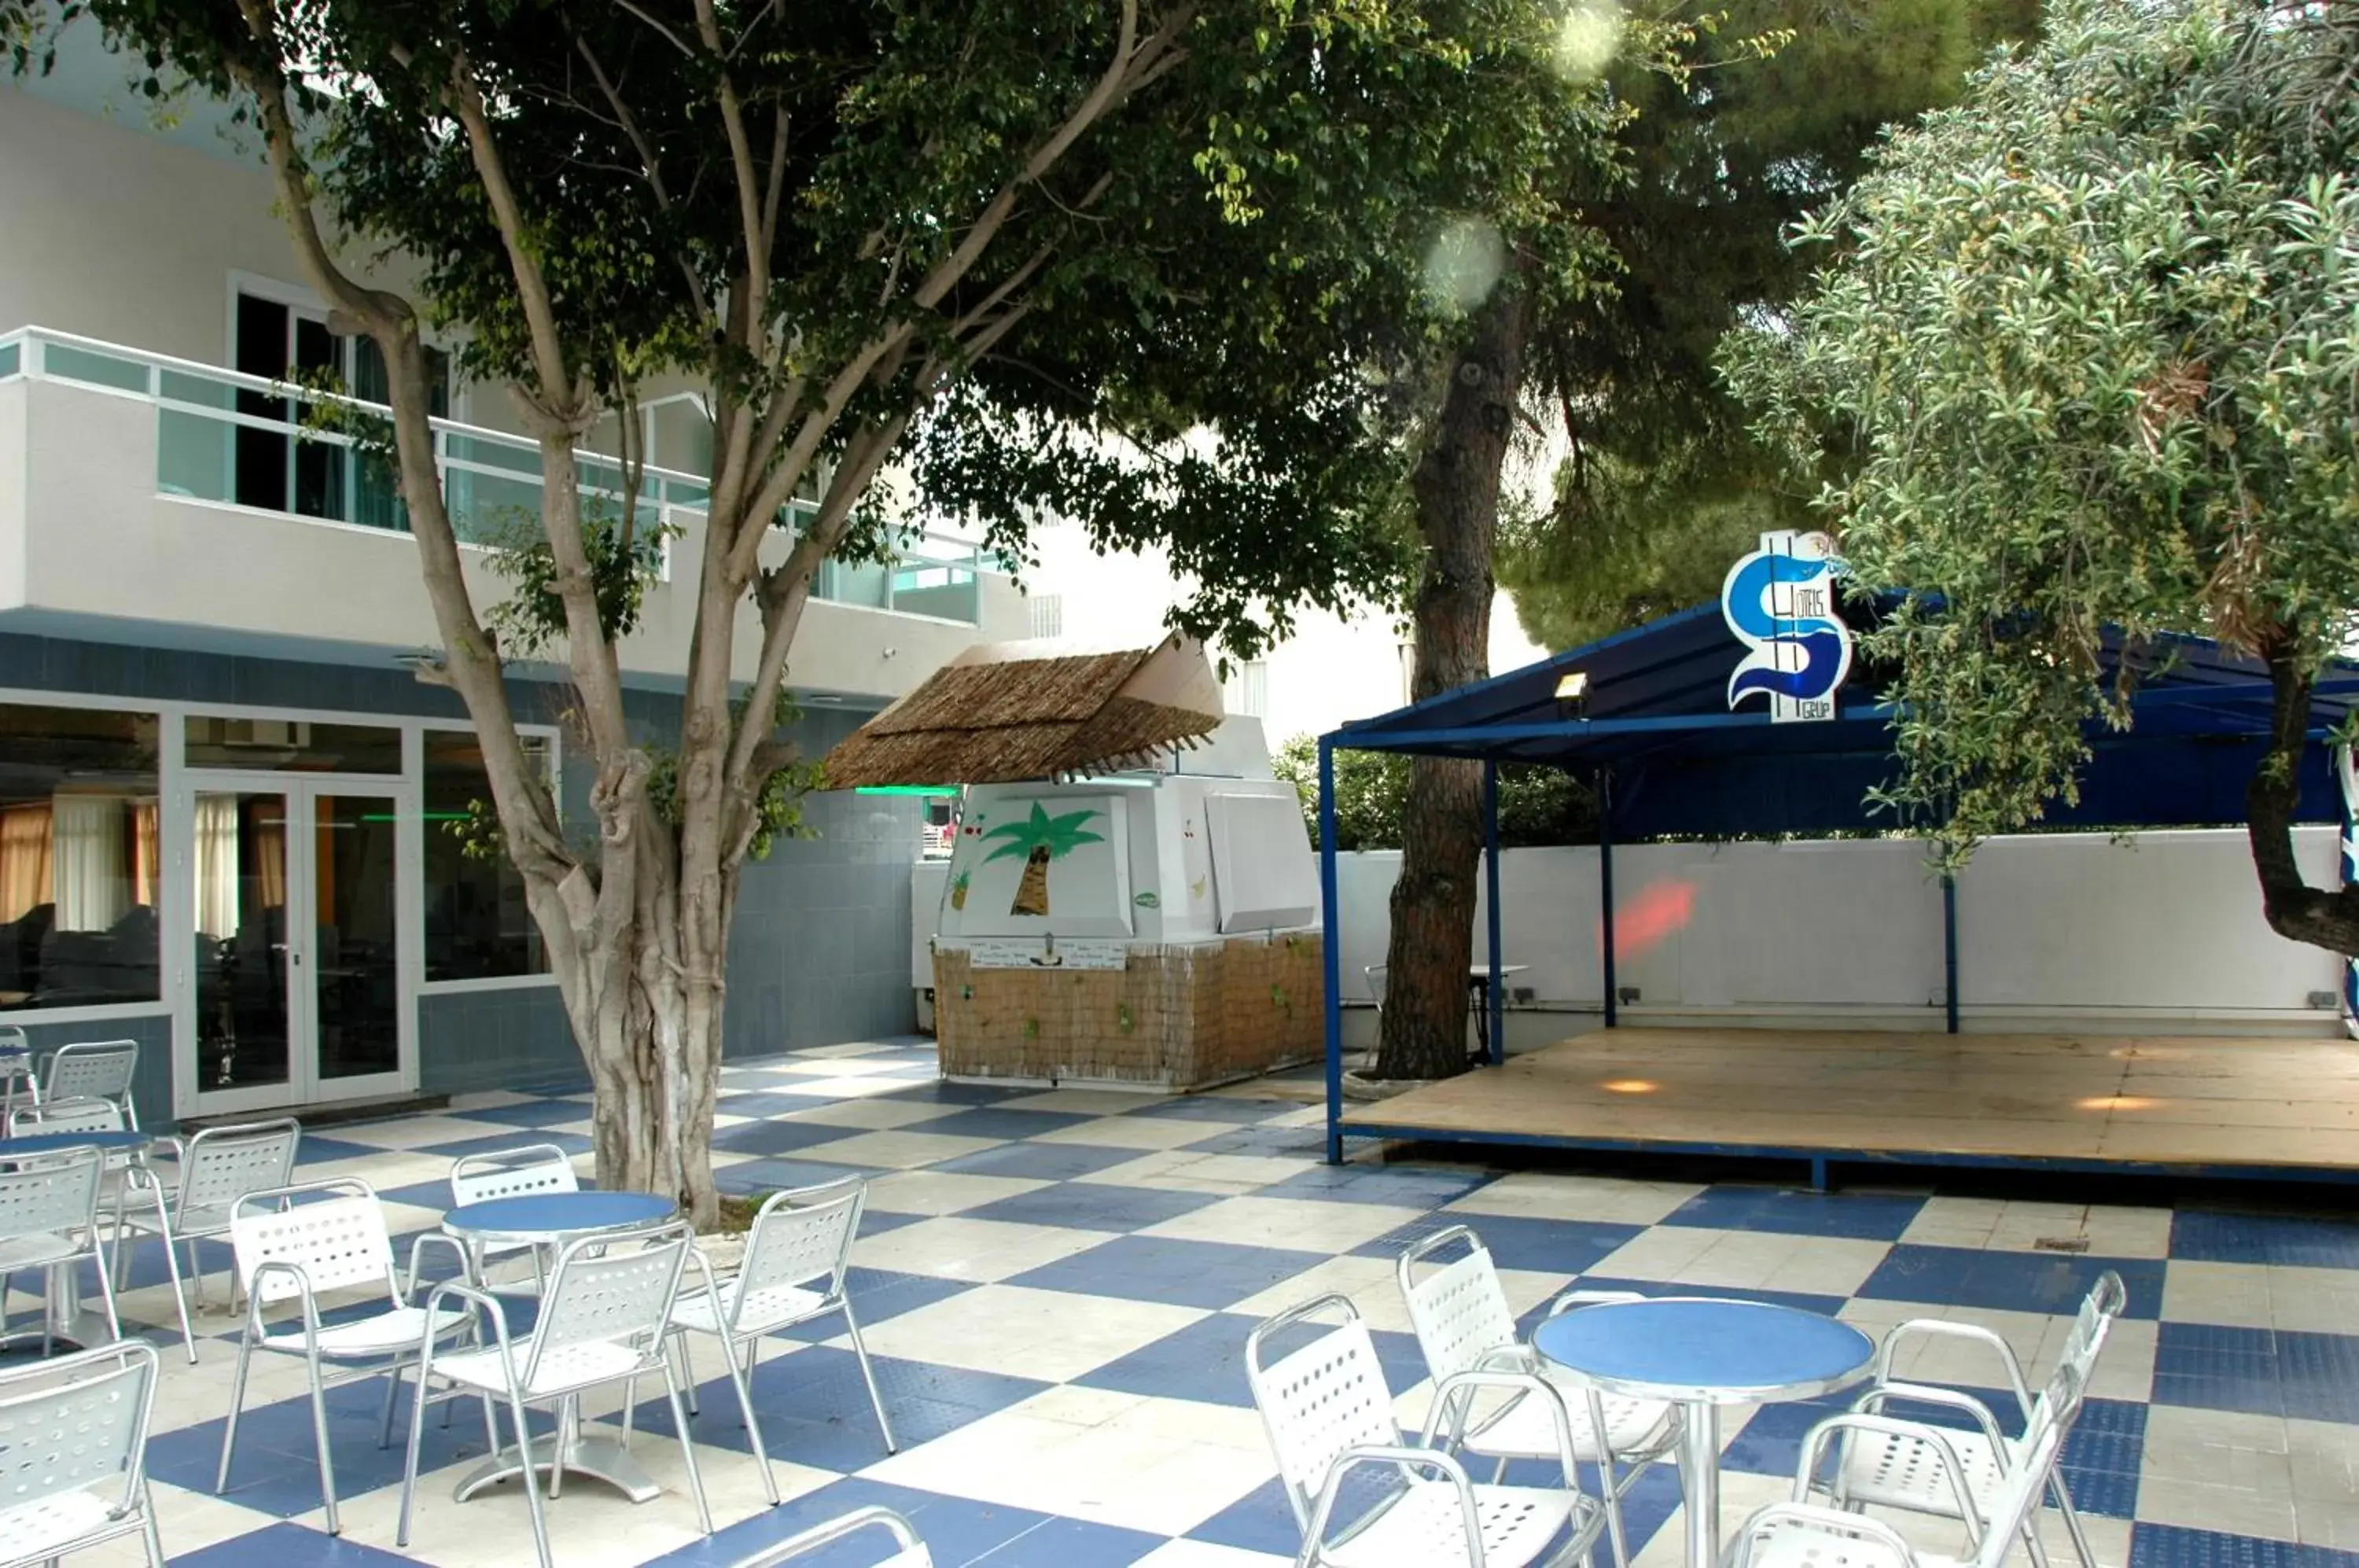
pixel 1056 1286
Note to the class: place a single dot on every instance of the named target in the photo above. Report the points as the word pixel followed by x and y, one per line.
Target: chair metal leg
pixel 150 1536
pixel 687 1451
pixel 1612 1500
pixel 417 1435
pixel 320 1432
pixel 569 1430
pixel 531 1491
pixel 2072 1527
pixel 392 1394
pixel 105 1288
pixel 753 1427
pixel 868 1375
pixel 237 1407
pixel 173 1267
pixel 196 1272
pixel 679 1344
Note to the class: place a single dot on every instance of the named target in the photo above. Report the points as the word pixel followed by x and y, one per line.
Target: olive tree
pixel 1129 255
pixel 2083 353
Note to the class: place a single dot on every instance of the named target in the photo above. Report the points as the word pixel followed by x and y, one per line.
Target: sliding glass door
pixel 298 950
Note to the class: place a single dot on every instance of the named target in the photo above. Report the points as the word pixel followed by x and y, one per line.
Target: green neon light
pixel 906 789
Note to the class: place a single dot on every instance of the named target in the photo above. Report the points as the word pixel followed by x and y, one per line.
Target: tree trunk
pixel 2294 909
pixel 1032 892
pixel 1423 1032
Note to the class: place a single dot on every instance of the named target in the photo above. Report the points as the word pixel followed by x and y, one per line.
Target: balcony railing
pixel 227 438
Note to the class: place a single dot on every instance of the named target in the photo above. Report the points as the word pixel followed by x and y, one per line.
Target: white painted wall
pixel 1334 668
pixel 2158 932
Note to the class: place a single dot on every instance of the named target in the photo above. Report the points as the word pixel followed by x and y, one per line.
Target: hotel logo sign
pixel 1779 600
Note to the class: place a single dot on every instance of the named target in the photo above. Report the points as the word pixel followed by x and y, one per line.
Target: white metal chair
pixel 17 1073
pixel 80 1115
pixel 50 1208
pixel 605 1318
pixel 95 1068
pixel 1463 1323
pixel 1329 1413
pixel 217 1168
pixel 1802 1534
pixel 517 1173
pixel 908 1552
pixel 1376 976
pixel 1886 1471
pixel 796 1256
pixel 74 1435
pixel 300 1242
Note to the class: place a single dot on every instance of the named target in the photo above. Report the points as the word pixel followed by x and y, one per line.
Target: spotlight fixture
pixel 1572 693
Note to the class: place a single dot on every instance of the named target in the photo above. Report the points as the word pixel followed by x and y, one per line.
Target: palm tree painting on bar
pixel 1037 840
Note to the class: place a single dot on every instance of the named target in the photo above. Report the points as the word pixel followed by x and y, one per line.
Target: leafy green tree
pixel 2084 352
pixel 1538 804
pixel 1025 245
pixel 1729 122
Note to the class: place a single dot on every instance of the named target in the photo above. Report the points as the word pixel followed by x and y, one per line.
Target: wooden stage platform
pixel 2268 1109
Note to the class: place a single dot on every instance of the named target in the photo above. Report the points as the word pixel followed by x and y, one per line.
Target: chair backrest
pixel 2106 1301
pixel 333 1231
pixel 1321 1399
pixel 606 1290
pixel 2021 1489
pixel 909 1551
pixel 51 1195
pixel 101 1068
pixel 511 1174
pixel 224 1164
pixel 15 1052
pixel 1459 1310
pixel 77 1423
pixel 799 1239
pixel 1758 1535
pixel 82 1115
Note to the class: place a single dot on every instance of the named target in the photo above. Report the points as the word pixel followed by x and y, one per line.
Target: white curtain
pixel 88 876
pixel 216 846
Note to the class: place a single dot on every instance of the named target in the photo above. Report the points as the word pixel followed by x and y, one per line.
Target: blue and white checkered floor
pixel 1058 1286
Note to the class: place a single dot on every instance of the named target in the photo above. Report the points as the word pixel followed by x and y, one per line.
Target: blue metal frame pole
pixel 1605 892
pixel 1950 948
pixel 1496 1000
pixel 1331 936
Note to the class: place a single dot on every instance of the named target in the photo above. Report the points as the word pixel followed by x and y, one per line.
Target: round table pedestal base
pixel 1699 1480
pixel 69 1325
pixel 600 1458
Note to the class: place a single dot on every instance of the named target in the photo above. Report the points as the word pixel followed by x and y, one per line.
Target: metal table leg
pixel 1700 1479
pixel 600 1458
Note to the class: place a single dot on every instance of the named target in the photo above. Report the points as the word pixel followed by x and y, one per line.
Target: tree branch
pixel 628 124
pixel 556 390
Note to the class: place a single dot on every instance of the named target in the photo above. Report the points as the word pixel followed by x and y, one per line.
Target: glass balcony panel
pixel 487 507
pixel 487 453
pixel 948 592
pixel 865 585
pixel 11 359
pixel 200 391
pixel 193 456
pixel 63 362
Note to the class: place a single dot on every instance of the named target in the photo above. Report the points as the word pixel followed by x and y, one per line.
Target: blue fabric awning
pixel 1654 719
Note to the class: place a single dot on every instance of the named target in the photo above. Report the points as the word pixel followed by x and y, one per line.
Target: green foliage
pixel 778 803
pixel 625 562
pixel 1663 484
pixel 1538 805
pixel 1059 835
pixel 2084 351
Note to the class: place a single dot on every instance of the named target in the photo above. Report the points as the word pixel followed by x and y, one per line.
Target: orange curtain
pixel 147 865
pixel 269 825
pixel 23 860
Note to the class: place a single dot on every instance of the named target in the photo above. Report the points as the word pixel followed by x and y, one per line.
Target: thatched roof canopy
pixel 1008 713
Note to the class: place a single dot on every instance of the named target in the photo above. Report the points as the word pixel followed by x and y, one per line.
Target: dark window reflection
pixel 81 854
pixel 477 924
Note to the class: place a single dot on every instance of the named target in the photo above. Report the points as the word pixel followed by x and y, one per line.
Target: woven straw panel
pixel 1179 1017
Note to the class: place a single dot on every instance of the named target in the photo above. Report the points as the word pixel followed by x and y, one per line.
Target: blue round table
pixel 552 1219
pixel 549 1219
pixel 1701 1353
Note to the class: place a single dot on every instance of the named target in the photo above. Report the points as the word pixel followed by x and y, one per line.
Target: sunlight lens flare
pixel 1465 262
pixel 1629 1086
pixel 1587 38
